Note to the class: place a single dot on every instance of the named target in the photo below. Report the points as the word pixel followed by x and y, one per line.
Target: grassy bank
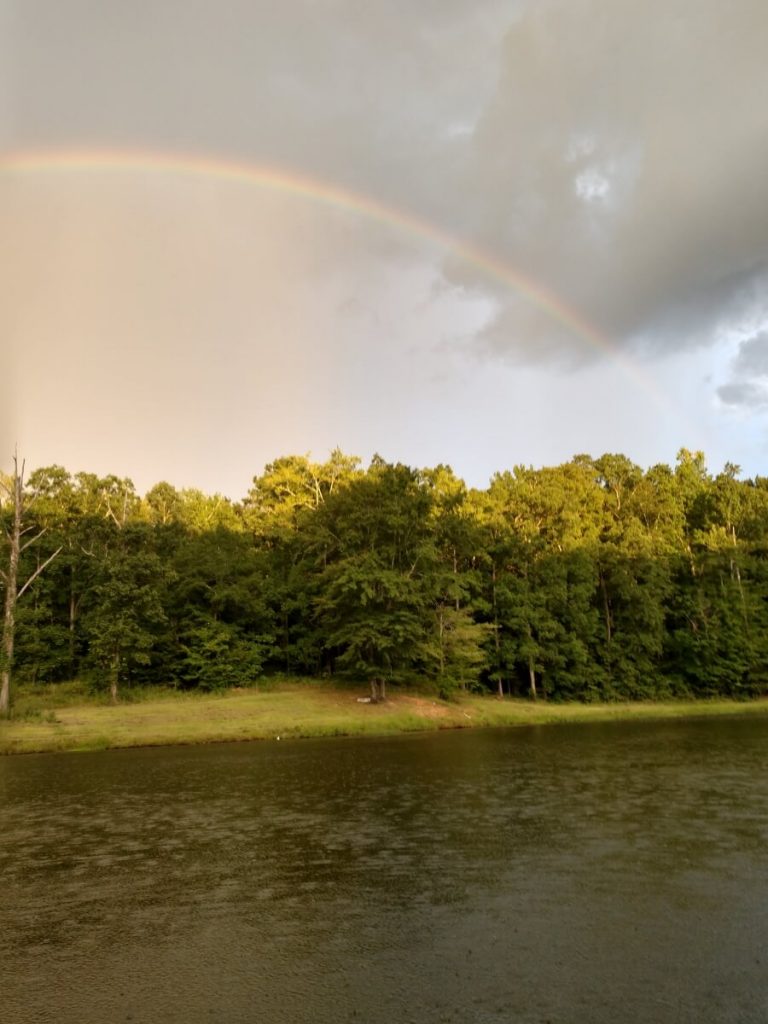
pixel 63 718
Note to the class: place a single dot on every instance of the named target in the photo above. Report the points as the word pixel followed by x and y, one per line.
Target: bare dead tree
pixel 20 504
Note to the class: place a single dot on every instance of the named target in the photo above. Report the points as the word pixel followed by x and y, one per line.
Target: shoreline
pixel 307 711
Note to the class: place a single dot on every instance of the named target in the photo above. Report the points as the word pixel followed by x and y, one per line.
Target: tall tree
pixel 377 584
pixel 281 511
pixel 125 608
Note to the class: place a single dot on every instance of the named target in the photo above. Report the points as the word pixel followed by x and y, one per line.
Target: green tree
pixel 125 609
pixel 377 563
pixel 220 628
pixel 280 511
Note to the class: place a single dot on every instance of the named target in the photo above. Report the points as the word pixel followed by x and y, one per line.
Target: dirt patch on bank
pixel 422 706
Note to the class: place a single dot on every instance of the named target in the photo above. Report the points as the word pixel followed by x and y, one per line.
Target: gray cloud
pixel 623 160
pixel 748 383
pixel 616 153
pixel 358 93
pixel 752 357
pixel 744 393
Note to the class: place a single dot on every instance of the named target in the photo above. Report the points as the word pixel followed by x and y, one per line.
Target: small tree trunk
pixel 113 677
pixel 441 639
pixel 606 610
pixel 378 690
pixel 286 642
pixel 72 616
pixel 496 639
pixel 737 575
pixel 532 678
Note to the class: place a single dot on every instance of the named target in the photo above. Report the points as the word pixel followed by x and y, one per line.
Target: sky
pixel 478 233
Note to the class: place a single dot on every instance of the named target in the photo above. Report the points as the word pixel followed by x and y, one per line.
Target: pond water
pixel 595 873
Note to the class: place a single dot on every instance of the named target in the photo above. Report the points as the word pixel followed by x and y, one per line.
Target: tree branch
pixel 118 524
pixel 37 572
pixel 33 539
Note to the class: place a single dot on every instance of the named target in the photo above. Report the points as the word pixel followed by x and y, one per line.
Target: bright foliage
pixel 594 580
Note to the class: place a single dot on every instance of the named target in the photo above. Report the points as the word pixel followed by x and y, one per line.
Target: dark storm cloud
pixel 623 160
pixel 356 92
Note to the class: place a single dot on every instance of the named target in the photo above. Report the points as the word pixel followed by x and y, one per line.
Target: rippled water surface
pixel 565 874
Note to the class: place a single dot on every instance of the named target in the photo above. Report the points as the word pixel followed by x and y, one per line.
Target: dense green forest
pixel 593 580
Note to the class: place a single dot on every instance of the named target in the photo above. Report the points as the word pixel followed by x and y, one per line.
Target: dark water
pixel 613 873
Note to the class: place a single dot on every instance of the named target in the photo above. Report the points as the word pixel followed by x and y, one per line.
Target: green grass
pixel 67 717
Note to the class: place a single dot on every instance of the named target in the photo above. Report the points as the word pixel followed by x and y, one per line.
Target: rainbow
pixel 281 180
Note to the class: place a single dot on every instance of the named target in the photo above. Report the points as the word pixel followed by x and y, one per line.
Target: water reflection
pixel 614 872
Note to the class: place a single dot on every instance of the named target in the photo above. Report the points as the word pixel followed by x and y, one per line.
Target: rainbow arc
pixel 313 190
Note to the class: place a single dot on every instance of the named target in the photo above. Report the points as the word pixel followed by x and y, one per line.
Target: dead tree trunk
pixel 10 577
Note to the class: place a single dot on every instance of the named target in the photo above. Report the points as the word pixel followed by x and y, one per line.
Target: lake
pixel 569 874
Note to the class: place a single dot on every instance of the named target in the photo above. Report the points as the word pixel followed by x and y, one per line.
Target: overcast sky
pixel 162 325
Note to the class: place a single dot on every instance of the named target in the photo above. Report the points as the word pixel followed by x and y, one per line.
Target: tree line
pixel 592 580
